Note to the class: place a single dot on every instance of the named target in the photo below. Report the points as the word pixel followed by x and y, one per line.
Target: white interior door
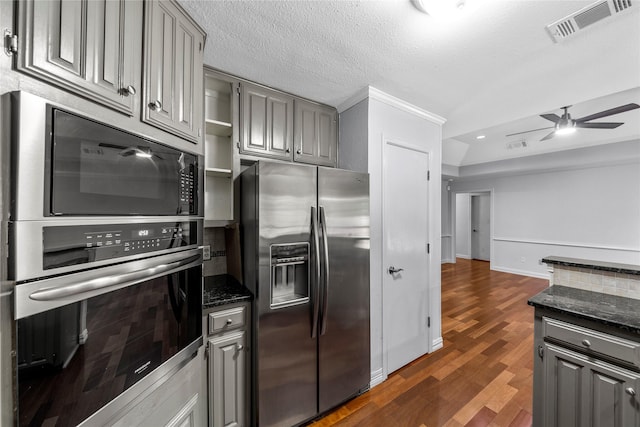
pixel 405 238
pixel 480 227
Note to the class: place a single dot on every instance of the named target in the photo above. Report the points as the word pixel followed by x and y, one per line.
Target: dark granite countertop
pixel 223 289
pixel 594 265
pixel 607 309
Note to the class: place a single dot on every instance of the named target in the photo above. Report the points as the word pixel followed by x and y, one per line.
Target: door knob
pixel 393 270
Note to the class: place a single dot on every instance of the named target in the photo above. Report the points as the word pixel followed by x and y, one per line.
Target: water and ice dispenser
pixel 289 274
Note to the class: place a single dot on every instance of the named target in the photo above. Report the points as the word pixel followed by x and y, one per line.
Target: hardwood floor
pixel 483 374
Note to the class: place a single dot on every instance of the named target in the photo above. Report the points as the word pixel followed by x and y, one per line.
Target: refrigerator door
pixel 344 344
pixel 287 352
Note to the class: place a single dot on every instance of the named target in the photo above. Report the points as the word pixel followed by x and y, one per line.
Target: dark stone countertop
pixel 594 265
pixel 607 309
pixel 223 289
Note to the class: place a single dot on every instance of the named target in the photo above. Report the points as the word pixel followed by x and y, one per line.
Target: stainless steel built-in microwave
pixel 71 165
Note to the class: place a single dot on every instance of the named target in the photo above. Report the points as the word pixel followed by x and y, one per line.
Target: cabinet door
pixel 92 48
pixel 267 122
pixel 227 380
pixel 315 133
pixel 114 49
pixel 582 391
pixel 173 70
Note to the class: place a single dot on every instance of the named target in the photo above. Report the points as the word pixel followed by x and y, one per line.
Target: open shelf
pixel 218 150
pixel 216 127
pixel 219 172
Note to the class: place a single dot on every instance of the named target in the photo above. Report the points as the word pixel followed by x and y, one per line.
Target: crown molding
pixel 373 93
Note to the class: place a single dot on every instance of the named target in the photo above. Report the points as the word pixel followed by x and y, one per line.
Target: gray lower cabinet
pixel 583 391
pixel 315 134
pixel 227 353
pixel 584 376
pixel 173 70
pixel 90 47
pixel 266 117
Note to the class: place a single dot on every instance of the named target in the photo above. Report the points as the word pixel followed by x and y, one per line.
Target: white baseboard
pixel 437 344
pixel 521 272
pixel 448 261
pixel 377 377
pixel 463 256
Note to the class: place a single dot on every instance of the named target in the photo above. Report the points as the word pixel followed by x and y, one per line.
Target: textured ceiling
pixel 494 65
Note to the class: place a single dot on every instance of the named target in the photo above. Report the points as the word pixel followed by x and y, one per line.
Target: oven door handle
pixel 122 280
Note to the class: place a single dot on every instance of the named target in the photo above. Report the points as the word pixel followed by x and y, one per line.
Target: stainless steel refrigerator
pixel 305 243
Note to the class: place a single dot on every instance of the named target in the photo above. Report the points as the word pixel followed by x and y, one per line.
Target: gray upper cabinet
pixel 90 47
pixel 173 74
pixel 266 117
pixel 315 134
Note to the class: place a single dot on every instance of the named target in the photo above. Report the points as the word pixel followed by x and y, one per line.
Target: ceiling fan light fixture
pixel 566 130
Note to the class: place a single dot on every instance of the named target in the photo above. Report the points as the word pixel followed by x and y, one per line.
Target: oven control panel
pixel 80 244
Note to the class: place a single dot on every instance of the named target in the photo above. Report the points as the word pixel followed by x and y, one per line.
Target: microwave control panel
pixel 81 244
pixel 188 191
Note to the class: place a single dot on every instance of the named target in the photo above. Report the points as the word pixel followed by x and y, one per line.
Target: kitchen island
pixel 587 345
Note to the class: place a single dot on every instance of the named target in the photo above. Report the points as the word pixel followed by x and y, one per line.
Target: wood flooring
pixel 483 374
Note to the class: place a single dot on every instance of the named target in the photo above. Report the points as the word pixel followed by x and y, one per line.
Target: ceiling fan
pixel 565 124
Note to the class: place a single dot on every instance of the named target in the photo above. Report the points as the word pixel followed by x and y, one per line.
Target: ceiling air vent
pixel 517 144
pixel 599 10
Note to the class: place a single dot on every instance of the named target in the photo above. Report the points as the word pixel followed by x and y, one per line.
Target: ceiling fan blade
pixel 551 135
pixel 553 117
pixel 527 131
pixel 610 112
pixel 602 125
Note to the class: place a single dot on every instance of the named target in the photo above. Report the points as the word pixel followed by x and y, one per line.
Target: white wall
pixel 463 225
pixel 389 118
pixel 590 213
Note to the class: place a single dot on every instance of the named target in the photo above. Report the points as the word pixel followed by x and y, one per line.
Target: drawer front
pixel 224 320
pixel 592 341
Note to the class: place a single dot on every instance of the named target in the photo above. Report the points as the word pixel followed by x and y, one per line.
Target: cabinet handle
pixel 288 150
pixel 229 321
pixel 240 347
pixel 299 151
pixel 630 391
pixel 586 343
pixel 156 105
pixel 129 90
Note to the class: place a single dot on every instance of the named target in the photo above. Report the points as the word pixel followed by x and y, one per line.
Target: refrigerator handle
pixel 325 288
pixel 316 273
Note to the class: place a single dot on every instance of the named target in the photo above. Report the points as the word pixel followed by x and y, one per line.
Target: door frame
pixel 453 212
pixel 406 145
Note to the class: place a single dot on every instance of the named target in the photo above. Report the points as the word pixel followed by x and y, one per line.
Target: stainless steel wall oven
pixel 104 233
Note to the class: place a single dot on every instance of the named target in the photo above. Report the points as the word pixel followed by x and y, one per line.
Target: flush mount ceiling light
pixel 439 8
pixel 480 137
